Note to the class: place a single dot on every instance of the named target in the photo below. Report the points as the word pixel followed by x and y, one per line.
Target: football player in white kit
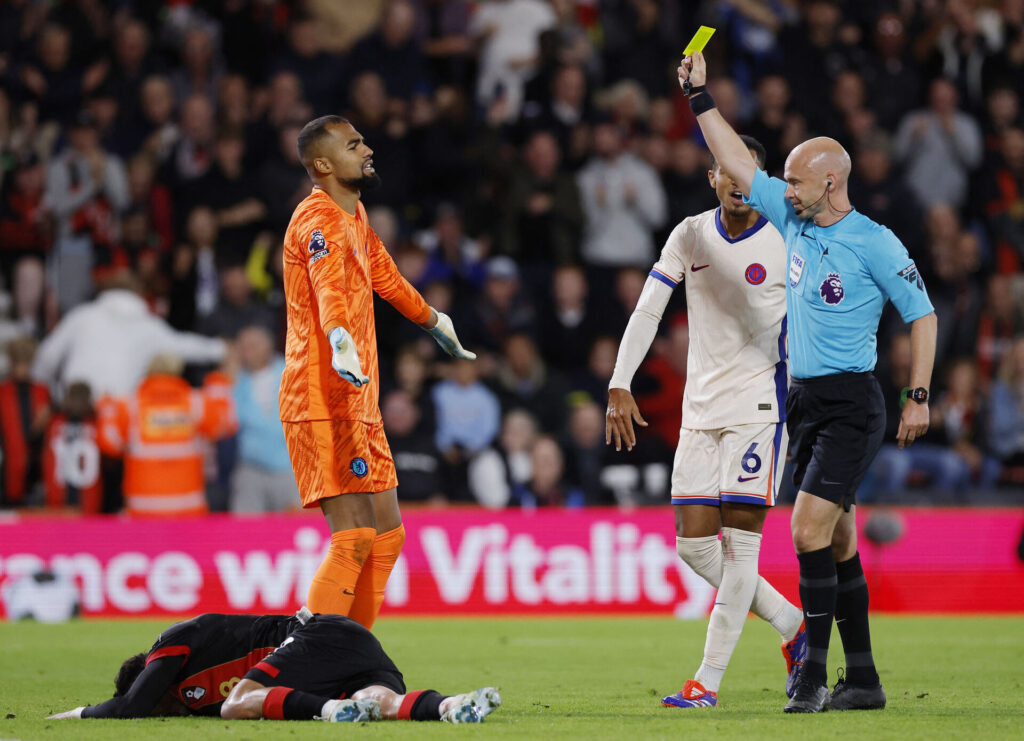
pixel 732 445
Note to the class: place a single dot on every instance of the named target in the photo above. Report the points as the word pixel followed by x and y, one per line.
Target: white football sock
pixel 732 603
pixel 704 556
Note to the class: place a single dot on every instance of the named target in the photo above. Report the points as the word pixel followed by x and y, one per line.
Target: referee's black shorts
pixel 836 424
pixel 331 656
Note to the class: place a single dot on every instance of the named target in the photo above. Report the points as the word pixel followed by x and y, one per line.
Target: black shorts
pixel 836 424
pixel 331 656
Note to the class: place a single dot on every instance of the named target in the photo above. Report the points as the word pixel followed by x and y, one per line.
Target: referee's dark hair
pixel 128 673
pixel 313 132
pixel 754 146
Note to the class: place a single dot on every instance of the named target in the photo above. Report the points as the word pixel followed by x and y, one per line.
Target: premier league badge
pixel 832 289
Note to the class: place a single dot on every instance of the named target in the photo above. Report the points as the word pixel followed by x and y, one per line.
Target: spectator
pixel 282 179
pixel 686 184
pixel 508 32
pixel 192 154
pixel 417 460
pixel 321 75
pixel 593 380
pixel 524 380
pixel 1005 206
pixel 882 196
pixel 233 195
pixel 195 287
pixel 133 63
pixel 161 440
pixel 961 412
pixel 71 455
pixel 451 254
pixel 24 227
pixel 969 34
pixel 109 342
pixel 892 74
pixel 236 309
pixel 152 199
pixel 285 105
pixel 393 52
pixel 24 414
pixel 585 450
pixel 86 190
pixel 54 78
pixel 572 320
pixel 494 472
pixel 563 109
pixel 930 459
pixel 468 419
pixel 640 37
pixel 442 29
pixel 659 385
pixel 542 218
pixel 262 480
pixel 939 147
pixel 547 486
pixel 1006 418
pixel 501 309
pixel 152 131
pixel 200 70
pixel 1002 319
pixel 769 122
pixel 623 203
pixel 815 50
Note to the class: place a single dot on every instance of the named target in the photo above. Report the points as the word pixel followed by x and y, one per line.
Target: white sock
pixel 732 603
pixel 704 556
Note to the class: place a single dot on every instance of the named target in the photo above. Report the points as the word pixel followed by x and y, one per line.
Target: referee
pixel 842 267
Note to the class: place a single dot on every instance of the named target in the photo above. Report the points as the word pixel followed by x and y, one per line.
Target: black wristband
pixel 691 91
pixel 701 103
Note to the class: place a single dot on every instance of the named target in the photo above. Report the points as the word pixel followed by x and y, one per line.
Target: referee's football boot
pixel 470 707
pixel 692 695
pixel 795 653
pixel 808 697
pixel 351 711
pixel 847 696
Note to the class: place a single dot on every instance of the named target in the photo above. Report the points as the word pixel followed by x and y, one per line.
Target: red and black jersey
pixel 199 661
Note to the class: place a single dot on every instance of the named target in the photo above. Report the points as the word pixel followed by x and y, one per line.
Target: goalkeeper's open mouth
pixel 368 166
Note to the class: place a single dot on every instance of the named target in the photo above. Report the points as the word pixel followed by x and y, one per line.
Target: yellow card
pixel 699 40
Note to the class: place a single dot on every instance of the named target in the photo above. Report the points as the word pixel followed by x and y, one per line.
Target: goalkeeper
pixel 333 263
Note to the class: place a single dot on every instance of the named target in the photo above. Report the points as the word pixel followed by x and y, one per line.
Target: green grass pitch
pixel 599 678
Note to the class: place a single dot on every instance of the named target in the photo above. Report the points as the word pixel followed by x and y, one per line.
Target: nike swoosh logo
pixel 744 479
pixel 815 614
pixel 695 268
pixel 831 483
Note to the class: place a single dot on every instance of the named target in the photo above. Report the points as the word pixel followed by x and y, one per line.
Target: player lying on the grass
pixel 733 439
pixel 279 667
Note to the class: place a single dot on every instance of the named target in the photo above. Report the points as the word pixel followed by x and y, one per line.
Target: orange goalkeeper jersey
pixel 333 262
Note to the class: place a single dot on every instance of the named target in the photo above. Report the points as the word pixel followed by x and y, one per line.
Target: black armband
pixel 701 103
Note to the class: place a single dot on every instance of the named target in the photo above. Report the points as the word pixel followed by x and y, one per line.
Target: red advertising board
pixel 472 561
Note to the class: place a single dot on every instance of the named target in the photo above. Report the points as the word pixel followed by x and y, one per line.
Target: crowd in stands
pixel 534 154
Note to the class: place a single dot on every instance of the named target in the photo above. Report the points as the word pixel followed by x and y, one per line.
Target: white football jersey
pixel 736 306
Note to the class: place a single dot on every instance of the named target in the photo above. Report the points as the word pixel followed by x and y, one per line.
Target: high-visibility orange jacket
pixel 160 431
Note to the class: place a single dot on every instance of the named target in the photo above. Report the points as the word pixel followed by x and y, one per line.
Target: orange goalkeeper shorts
pixel 331 458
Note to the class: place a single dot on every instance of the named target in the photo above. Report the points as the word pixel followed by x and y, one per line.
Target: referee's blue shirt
pixel 839 279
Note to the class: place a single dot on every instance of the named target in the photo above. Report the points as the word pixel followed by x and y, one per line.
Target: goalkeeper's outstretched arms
pixel 440 326
pixel 725 144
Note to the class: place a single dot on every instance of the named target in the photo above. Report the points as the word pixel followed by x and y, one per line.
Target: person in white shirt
pixel 110 341
pixel 732 445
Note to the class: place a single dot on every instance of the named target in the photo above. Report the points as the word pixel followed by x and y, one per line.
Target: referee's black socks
pixel 818 595
pixel 852 619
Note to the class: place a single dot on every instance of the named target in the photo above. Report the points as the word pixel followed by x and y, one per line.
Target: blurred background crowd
pixel 534 155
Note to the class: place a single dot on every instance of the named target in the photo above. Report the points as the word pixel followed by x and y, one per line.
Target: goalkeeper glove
pixel 345 360
pixel 444 333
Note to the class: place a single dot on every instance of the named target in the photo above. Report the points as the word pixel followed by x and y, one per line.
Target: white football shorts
pixel 740 464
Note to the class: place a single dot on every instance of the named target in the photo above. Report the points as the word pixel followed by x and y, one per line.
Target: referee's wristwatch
pixel 920 395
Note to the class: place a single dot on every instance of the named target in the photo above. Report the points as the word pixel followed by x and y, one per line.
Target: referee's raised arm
pixel 725 144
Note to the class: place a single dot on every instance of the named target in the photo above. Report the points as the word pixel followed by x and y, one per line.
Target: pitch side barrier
pixel 475 562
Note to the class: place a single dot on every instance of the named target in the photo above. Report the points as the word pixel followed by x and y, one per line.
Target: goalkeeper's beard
pixel 365 182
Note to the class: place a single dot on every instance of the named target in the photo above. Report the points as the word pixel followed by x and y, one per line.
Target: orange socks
pixel 334 586
pixel 374 577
